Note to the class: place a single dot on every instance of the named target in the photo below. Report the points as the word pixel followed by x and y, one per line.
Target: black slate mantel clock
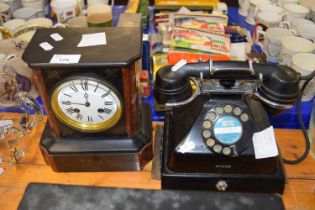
pixel 96 118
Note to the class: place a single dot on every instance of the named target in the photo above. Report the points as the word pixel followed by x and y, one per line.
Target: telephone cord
pixel 299 113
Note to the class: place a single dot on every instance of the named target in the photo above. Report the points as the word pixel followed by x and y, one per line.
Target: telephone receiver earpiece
pixel 280 86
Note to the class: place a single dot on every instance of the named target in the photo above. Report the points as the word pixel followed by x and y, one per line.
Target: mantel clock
pixel 96 118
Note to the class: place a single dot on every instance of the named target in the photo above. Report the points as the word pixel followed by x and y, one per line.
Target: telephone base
pixel 274 183
pixel 234 182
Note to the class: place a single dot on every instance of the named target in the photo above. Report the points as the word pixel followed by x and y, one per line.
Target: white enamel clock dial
pixel 86 104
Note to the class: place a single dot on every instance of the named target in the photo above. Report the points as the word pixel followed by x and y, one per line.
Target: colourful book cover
pixel 201 22
pixel 197 40
pixel 192 56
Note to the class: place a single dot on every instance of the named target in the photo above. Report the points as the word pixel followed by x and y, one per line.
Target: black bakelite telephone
pixel 214 110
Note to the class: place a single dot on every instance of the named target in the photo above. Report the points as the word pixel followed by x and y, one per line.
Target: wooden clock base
pixel 84 155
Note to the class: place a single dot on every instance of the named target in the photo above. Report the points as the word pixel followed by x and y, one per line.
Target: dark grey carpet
pixel 67 197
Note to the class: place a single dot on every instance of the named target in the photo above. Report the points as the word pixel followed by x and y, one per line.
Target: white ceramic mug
pixel 36 4
pixel 81 5
pixel 281 3
pixel 27 13
pixel 5 13
pixel 99 16
pixel 309 4
pixel 44 22
pixel 293 45
pixel 93 2
pixel 65 9
pixel 306 31
pixel 14 4
pixel 265 20
pixel 26 32
pixel 10 27
pixel 222 8
pixel 253 9
pixel 304 63
pixel 243 7
pixel 301 27
pixel 271 8
pixel 272 43
pixel 291 2
pixel 295 23
pixel 269 19
pixel 77 22
pixel 294 11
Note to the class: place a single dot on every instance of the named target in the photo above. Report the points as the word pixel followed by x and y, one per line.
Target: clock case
pixel 124 147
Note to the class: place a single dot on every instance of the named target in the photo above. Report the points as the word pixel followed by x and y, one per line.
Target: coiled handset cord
pixel 308 79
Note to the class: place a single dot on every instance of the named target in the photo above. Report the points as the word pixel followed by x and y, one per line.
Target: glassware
pixel 13 144
pixel 13 68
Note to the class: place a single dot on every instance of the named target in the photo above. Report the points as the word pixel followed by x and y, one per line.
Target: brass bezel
pixel 87 128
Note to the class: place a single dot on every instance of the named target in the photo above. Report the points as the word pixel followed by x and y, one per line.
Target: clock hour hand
pixel 105 110
pixel 87 104
pixel 86 97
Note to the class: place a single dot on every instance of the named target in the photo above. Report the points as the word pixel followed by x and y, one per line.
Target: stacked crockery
pixel 293 45
pixel 253 8
pixel 99 13
pixel 304 63
pixel 272 43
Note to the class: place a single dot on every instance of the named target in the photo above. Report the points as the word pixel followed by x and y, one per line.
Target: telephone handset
pixel 277 86
pixel 214 110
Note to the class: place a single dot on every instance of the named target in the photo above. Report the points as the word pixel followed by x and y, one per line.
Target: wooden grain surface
pixel 299 193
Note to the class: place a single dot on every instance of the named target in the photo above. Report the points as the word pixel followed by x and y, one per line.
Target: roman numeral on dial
pixel 96 88
pixel 106 94
pixel 108 103
pixel 66 102
pixel 70 110
pixel 79 116
pixel 90 119
pixel 84 85
pixel 74 88
pixel 107 111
